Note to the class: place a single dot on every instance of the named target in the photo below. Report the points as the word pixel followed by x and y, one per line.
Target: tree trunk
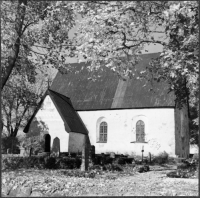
pixel 15 52
pixel 1 122
pixel 14 132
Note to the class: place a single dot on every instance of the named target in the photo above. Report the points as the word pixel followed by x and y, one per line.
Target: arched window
pixel 140 131
pixel 103 132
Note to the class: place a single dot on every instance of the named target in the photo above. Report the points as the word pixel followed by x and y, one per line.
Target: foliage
pixel 34 33
pixel 39 162
pixel 116 32
pixel 37 128
pixel 68 163
pixel 186 169
pixel 113 167
pixel 179 62
pixel 196 157
pixel 161 158
pixel 19 100
pixel 78 173
pixel 194 126
pixel 141 168
pixel 123 160
pixel 11 143
pixel 35 137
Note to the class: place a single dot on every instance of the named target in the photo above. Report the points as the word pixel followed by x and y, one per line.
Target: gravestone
pixel 22 151
pixel 112 155
pixel 102 159
pixel 9 151
pixel 92 153
pixel 56 147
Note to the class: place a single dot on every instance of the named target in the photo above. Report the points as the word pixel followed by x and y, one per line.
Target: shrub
pixel 97 160
pixel 40 162
pixel 128 160
pixel 68 163
pixel 95 167
pixel 50 162
pixel 12 163
pixel 120 161
pixel 178 174
pixel 11 143
pixel 123 160
pixel 78 173
pixel 113 167
pixel 196 157
pixel 141 169
pixel 161 158
pixel 108 160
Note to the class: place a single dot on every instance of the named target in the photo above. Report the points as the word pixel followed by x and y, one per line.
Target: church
pixel 117 115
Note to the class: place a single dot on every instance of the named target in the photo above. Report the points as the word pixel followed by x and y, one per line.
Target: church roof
pixel 109 91
pixel 70 117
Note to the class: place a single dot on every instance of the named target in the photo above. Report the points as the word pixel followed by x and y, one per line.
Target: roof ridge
pixel 58 93
pixel 63 97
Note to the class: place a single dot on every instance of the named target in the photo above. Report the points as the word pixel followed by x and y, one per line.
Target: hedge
pixel 40 162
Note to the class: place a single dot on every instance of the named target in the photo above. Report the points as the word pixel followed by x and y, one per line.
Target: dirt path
pixel 55 183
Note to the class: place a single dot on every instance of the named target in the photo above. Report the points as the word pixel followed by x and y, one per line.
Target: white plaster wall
pixel 159 129
pixel 49 114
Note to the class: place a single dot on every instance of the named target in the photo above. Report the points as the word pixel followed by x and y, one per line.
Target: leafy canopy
pixel 116 32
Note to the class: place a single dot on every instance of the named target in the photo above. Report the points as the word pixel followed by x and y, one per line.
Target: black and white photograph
pixel 99 98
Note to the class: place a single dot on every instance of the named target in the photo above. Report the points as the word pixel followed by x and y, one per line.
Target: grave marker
pixel 56 147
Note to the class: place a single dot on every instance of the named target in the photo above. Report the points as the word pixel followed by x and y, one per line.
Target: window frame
pixel 103 132
pixel 140 131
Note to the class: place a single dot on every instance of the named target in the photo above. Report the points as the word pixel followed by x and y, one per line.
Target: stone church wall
pixel 53 120
pixel 121 138
pixel 121 135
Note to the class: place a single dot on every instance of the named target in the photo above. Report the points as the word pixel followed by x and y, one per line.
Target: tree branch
pixel 14 53
pixel 27 25
pixel 34 51
pixel 140 42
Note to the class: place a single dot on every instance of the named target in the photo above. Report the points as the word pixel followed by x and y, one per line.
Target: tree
pixel 11 143
pixel 115 33
pixel 179 61
pixel 19 100
pixel 36 32
pixel 34 36
pixel 35 137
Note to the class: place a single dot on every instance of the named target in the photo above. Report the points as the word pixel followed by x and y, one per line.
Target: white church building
pixel 117 115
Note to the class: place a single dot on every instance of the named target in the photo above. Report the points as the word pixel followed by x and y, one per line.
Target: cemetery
pixel 87 174
pixel 99 98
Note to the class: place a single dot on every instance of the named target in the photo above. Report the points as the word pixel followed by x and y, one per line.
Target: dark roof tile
pixel 110 92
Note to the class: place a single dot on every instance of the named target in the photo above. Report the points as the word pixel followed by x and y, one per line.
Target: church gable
pixel 70 117
pixel 109 91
